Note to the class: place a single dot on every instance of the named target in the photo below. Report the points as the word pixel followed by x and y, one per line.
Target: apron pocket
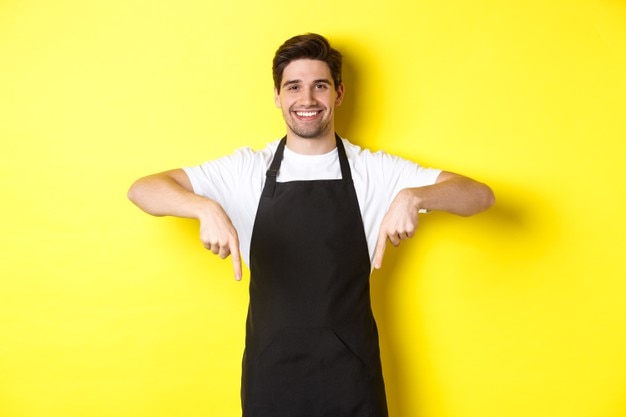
pixel 308 373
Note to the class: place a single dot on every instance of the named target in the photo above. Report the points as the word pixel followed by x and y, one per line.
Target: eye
pixel 293 87
pixel 321 86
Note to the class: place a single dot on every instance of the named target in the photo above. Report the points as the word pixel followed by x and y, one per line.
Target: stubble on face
pixel 308 129
pixel 308 98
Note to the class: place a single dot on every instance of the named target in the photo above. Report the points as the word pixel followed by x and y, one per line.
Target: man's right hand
pixel 170 193
pixel 218 235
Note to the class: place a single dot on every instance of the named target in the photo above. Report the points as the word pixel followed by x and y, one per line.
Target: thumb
pixel 380 251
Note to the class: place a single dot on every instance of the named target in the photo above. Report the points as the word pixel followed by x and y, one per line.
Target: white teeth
pixel 306 113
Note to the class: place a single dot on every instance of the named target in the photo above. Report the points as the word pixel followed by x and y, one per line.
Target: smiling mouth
pixel 307 114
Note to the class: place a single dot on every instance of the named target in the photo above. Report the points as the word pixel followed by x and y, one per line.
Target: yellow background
pixel 520 311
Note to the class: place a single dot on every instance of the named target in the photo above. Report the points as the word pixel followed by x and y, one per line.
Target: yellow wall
pixel 105 311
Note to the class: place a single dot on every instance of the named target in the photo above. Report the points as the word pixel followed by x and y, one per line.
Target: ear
pixel 340 93
pixel 276 98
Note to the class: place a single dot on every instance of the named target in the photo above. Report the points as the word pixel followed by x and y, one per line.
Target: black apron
pixel 311 340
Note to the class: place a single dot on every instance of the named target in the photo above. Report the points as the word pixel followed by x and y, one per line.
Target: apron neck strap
pixel 272 172
pixel 346 174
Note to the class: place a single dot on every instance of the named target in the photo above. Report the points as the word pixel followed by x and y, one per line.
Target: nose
pixel 308 97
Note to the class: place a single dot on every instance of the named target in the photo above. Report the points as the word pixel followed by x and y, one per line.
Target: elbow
pixel 133 192
pixel 487 198
pixel 139 195
pixel 484 198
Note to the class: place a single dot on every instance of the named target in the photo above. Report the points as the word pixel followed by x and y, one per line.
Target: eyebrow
pixel 291 82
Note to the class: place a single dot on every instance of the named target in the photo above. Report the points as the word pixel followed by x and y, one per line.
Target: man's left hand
pixel 399 223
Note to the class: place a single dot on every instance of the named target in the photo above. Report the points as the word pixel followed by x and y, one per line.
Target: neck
pixel 311 146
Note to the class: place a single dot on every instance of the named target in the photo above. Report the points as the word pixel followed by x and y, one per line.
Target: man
pixel 309 214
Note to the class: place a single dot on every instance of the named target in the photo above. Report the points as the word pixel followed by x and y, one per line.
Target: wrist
pixel 203 207
pixel 416 199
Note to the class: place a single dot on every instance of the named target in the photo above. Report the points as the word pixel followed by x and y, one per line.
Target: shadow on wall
pixel 512 233
pixel 349 121
pixel 346 116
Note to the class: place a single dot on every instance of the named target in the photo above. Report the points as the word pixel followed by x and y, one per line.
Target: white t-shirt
pixel 236 182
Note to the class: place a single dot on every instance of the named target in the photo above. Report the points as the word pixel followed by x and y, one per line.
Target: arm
pixel 451 193
pixel 170 193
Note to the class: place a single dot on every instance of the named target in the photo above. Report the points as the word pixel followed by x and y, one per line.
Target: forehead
pixel 306 70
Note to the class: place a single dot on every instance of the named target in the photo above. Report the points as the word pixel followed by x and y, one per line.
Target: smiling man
pixel 310 214
pixel 307 96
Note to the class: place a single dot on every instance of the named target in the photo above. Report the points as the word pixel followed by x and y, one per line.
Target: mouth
pixel 307 114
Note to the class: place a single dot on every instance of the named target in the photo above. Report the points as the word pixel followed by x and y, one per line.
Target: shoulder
pixel 356 153
pixel 248 154
pixel 242 158
pixel 387 168
pixel 232 169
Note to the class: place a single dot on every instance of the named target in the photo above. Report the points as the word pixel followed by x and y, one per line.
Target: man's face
pixel 308 98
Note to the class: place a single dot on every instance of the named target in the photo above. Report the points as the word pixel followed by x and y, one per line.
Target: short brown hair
pixel 308 46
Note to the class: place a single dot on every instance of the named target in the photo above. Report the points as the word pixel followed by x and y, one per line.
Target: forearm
pixel 453 193
pixel 168 194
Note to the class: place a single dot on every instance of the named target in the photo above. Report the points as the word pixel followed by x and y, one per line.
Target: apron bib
pixel 311 339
